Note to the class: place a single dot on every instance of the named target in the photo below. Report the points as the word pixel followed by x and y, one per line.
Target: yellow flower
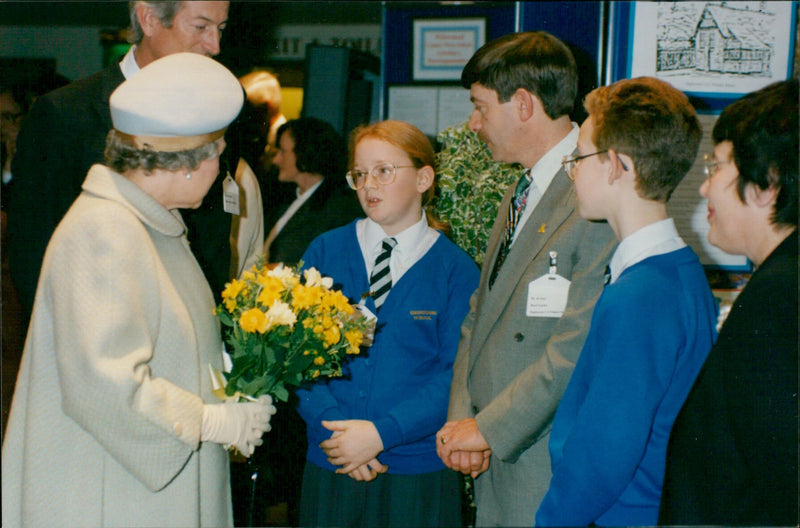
pixel 304 297
pixel 271 290
pixel 337 301
pixel 315 374
pixel 332 335
pixel 254 320
pixel 319 360
pixel 354 337
pixel 231 291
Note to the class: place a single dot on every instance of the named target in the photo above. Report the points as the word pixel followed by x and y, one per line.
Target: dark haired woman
pixel 313 156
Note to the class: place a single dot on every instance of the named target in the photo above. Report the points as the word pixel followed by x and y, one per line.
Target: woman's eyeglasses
pixel 711 165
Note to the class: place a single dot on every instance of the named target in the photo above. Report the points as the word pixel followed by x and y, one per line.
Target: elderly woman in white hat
pixel 113 422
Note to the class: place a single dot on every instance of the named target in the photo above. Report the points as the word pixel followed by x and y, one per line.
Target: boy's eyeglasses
pixel 383 173
pixel 570 162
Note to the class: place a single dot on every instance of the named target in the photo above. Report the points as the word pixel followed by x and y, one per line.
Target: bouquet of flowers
pixel 284 328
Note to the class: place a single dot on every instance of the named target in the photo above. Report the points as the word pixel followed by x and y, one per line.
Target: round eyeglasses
pixel 711 165
pixel 383 174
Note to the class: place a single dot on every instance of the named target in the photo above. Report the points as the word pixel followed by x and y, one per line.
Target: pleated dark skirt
pixel 430 499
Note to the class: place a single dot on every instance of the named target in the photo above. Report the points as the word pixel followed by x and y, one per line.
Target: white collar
pixel 543 173
pixel 548 166
pixel 128 64
pixel 412 244
pixel 406 240
pixel 654 239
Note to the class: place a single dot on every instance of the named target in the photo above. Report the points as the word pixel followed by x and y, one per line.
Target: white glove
pixel 239 424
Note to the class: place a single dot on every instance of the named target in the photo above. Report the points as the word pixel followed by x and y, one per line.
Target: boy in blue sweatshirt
pixel 652 326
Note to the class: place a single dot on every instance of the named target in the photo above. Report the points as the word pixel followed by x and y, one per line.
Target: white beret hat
pixel 178 102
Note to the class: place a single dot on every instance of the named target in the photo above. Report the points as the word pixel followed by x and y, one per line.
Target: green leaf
pixel 280 392
pixel 224 316
pixel 300 364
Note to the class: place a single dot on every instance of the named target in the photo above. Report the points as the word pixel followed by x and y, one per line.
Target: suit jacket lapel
pixel 552 210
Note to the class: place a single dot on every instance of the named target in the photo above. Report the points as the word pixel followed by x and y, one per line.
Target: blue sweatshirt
pixel 402 382
pixel 651 331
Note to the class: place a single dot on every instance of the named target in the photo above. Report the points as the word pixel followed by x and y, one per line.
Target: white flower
pixel 283 273
pixel 314 278
pixel 280 313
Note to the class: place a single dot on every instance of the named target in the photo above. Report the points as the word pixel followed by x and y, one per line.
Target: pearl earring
pixel 188 175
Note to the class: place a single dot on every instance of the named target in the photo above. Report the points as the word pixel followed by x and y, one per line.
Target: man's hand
pixel 462 447
pixel 352 444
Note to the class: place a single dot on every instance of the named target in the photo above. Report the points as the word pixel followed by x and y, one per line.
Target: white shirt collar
pixel 128 64
pixel 654 239
pixel 544 172
pixel 406 239
pixel 548 166
pixel 412 244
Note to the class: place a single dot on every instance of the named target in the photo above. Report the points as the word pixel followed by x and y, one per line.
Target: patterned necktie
pixel 380 282
pixel 514 213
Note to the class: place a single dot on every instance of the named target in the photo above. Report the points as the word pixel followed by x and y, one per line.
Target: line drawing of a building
pixel 722 38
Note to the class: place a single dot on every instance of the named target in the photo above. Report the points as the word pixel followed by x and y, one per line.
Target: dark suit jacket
pixel 61 137
pixel 732 455
pixel 332 205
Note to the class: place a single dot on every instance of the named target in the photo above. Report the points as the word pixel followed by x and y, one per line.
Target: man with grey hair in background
pixel 64 135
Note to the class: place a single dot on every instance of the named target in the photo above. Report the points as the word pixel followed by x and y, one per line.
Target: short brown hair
pixel 535 61
pixel 653 123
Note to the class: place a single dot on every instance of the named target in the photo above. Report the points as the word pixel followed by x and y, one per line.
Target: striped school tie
pixel 381 280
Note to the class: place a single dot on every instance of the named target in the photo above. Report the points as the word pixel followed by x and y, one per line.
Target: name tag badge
pixel 547 296
pixel 230 195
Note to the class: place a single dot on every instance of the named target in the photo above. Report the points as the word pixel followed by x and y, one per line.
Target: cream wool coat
pixel 105 422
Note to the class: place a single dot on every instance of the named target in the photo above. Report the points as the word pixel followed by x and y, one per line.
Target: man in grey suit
pixel 541 276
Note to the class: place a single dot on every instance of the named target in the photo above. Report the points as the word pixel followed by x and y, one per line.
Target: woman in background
pixel 313 156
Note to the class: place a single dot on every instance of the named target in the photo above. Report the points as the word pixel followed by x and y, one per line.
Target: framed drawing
pixel 443 46
pixel 709 49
